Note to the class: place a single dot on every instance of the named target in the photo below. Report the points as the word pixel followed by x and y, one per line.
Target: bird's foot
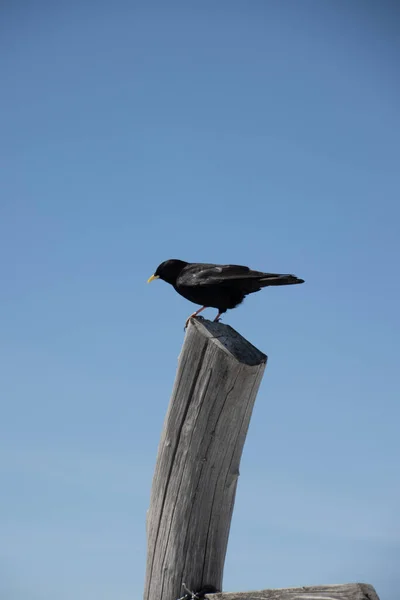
pixel 218 317
pixel 192 317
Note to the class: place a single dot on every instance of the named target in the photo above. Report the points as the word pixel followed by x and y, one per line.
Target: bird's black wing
pixel 201 274
pixel 204 275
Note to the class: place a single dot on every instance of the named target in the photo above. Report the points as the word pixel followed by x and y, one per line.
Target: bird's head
pixel 169 270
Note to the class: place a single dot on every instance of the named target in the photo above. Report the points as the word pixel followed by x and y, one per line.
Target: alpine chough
pixel 218 286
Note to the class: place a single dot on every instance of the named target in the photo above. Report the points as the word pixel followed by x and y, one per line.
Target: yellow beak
pixel 152 278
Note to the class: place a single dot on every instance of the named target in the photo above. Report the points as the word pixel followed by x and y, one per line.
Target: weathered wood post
pixel 194 485
pixel 197 467
pixel 347 591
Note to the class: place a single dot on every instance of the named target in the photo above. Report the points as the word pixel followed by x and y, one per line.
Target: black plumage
pixel 218 286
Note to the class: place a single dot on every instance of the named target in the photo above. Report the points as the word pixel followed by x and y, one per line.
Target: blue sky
pixel 259 133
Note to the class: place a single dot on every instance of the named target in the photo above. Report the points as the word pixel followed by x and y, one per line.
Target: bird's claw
pixel 192 317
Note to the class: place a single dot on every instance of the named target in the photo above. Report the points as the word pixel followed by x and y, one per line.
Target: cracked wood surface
pixel 197 468
pixel 348 591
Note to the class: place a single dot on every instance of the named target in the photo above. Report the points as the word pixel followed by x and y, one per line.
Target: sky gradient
pixel 259 133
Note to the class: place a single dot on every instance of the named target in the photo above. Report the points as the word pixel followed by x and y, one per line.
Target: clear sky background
pixel 259 133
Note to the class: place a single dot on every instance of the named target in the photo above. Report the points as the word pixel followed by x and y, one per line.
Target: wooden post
pixel 348 591
pixel 197 468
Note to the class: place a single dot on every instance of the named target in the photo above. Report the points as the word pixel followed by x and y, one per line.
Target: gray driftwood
pixel 349 591
pixel 197 467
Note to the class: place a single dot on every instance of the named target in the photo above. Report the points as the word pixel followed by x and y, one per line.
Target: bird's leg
pixel 194 315
pixel 218 317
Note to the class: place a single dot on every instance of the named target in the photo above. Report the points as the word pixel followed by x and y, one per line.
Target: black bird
pixel 218 286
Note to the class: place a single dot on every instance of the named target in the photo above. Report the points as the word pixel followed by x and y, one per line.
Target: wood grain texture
pixel 197 467
pixel 349 591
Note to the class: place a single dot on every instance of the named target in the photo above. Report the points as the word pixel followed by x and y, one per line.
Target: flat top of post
pixel 230 341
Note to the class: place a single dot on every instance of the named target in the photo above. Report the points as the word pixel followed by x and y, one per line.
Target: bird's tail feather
pixel 274 279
